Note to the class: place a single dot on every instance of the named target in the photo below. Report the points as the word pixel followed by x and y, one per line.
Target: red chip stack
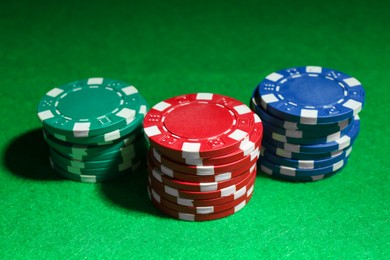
pixel 202 156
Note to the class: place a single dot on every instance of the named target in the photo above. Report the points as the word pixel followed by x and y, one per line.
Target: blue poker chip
pixel 279 176
pixel 315 133
pixel 311 95
pixel 309 131
pixel 285 136
pixel 269 167
pixel 306 164
pixel 298 156
pixel 341 143
pixel 291 126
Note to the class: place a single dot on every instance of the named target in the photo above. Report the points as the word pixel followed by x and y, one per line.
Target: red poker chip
pixel 195 186
pixel 203 170
pixel 205 210
pixel 246 147
pixel 244 191
pixel 201 195
pixel 195 178
pixel 202 160
pixel 199 125
pixel 198 217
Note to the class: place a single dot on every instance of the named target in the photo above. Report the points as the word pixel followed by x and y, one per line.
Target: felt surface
pixel 167 48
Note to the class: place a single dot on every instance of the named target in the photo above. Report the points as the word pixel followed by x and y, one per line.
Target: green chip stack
pixel 94 129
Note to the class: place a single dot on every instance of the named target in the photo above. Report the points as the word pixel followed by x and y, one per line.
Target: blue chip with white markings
pixel 270 167
pixel 310 119
pixel 339 144
pixel 277 175
pixel 292 126
pixel 306 164
pixel 297 156
pixel 272 133
pixel 311 95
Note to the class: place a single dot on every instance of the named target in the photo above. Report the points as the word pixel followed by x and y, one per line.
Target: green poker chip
pixel 91 178
pixel 111 169
pixel 137 147
pixel 108 137
pixel 121 159
pixel 79 151
pixel 89 107
pixel 94 129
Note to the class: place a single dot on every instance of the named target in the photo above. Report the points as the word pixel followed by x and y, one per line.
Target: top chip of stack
pixel 94 128
pixel 310 117
pixel 202 157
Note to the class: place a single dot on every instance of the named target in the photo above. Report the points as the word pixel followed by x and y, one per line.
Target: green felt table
pixel 167 48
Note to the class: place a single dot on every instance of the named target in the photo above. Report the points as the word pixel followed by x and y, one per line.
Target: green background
pixel 167 48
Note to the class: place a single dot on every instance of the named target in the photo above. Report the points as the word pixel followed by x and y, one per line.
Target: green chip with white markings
pixel 91 178
pixel 109 137
pixel 83 152
pixel 94 129
pixel 89 107
pixel 100 167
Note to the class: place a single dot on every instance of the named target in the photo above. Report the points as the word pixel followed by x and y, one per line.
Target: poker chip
pixel 302 141
pixel 89 164
pixel 310 119
pixel 298 172
pixel 80 152
pixel 288 125
pixel 202 210
pixel 311 95
pixel 196 178
pixel 248 189
pixel 195 186
pixel 246 148
pixel 199 125
pixel 284 177
pixel 94 129
pixel 344 141
pixel 203 155
pixel 93 154
pixel 132 125
pixel 202 195
pixel 305 164
pixel 207 169
pixel 189 194
pixel 90 178
pixel 77 108
pixel 298 156
pixel 198 217
pixel 317 134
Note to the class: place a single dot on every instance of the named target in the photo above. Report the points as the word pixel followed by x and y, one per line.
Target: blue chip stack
pixel 310 119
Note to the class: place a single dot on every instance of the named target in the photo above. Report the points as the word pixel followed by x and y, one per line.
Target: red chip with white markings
pixel 246 190
pixel 202 195
pixel 204 210
pixel 202 160
pixel 199 125
pixel 246 147
pixel 204 170
pixel 198 217
pixel 153 163
pixel 195 186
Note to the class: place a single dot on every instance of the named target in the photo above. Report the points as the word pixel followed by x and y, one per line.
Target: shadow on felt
pixel 27 156
pixel 129 192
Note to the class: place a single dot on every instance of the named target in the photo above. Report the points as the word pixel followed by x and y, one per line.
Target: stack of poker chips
pixel 94 129
pixel 310 117
pixel 202 155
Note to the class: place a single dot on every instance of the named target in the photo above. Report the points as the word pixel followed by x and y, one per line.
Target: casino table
pixel 168 48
